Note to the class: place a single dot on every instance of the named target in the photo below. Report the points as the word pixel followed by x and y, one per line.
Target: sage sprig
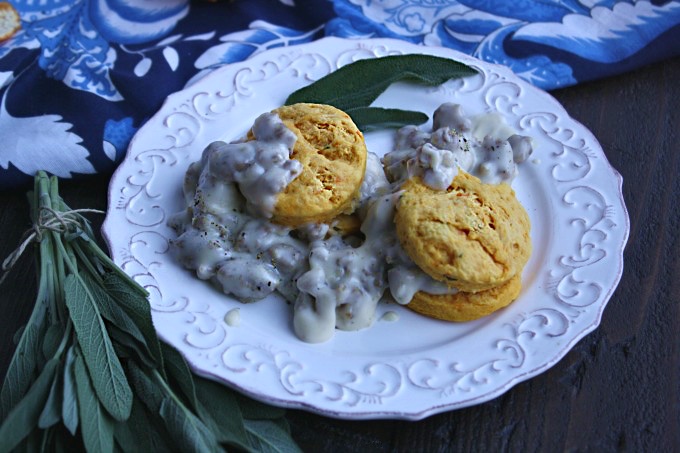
pixel 354 87
pixel 90 372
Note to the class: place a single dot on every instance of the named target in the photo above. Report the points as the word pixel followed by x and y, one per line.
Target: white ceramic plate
pixel 413 367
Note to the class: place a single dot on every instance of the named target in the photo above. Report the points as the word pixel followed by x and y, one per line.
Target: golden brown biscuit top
pixel 473 236
pixel 333 155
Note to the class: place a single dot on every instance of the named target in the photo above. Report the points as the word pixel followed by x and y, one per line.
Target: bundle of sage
pixel 89 370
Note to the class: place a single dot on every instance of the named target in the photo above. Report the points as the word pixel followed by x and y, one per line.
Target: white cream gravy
pixel 225 236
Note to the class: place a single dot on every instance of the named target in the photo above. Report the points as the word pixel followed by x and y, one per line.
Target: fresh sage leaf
pixel 219 406
pixel 127 346
pixel 159 437
pixel 95 424
pixel 186 429
pixel 69 407
pixel 89 265
pixel 24 363
pixel 145 388
pixel 21 420
pixel 372 118
pixel 360 83
pixel 113 312
pixel 135 433
pixel 123 354
pixel 178 371
pixel 223 430
pixel 268 436
pixel 137 307
pixel 108 377
pixel 17 335
pixel 121 351
pixel 51 413
pixel 51 340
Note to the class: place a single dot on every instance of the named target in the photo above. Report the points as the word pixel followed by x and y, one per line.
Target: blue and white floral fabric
pixel 81 76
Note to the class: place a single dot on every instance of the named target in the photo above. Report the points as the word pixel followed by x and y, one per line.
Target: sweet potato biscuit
pixel 473 236
pixel 462 306
pixel 333 155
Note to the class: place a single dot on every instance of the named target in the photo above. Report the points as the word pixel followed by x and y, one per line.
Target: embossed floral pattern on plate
pixel 415 366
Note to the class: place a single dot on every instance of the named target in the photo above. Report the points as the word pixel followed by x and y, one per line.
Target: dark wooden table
pixel 618 389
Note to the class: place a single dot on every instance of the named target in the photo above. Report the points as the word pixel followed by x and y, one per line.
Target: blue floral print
pixel 86 74
pixel 549 43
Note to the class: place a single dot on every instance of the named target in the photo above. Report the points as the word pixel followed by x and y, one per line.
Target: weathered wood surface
pixel 618 388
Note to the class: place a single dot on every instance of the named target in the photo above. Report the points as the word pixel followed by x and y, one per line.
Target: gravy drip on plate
pixel 333 281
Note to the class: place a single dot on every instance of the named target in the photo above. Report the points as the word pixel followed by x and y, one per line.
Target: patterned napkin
pixel 79 77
